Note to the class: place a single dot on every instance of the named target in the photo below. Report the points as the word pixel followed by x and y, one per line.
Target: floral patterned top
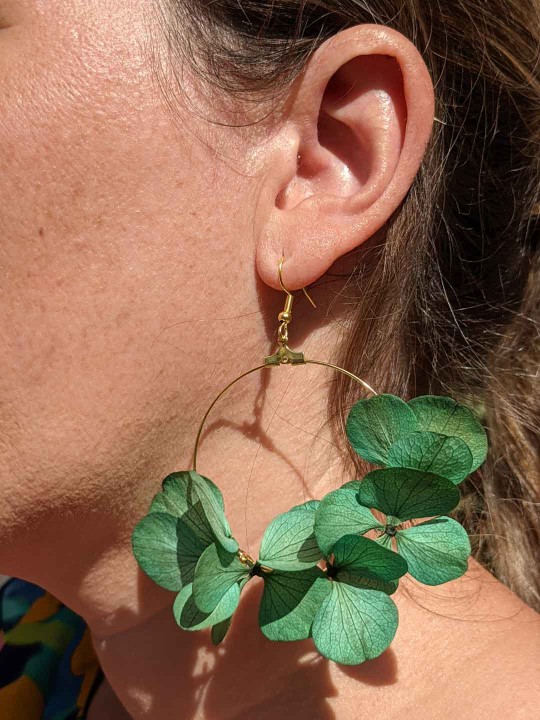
pixel 48 667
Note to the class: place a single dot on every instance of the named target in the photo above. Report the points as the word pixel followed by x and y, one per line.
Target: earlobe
pixel 355 134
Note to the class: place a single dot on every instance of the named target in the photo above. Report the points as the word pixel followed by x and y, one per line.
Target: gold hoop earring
pixel 317 561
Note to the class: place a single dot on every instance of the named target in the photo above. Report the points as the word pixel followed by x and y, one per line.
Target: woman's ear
pixel 357 123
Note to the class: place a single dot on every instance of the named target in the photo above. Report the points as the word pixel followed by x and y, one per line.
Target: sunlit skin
pixel 139 254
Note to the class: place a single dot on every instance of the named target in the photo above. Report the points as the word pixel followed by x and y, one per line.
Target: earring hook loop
pixel 283 286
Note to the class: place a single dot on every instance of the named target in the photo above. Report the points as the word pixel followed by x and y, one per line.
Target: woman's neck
pixel 455 645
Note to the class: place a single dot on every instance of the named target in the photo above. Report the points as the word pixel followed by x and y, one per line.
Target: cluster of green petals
pixel 323 579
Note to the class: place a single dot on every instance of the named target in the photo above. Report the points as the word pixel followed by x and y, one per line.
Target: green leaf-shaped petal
pixel 384 540
pixel 220 630
pixel 432 452
pixel 155 546
pixel 216 571
pixel 354 624
pixel 373 425
pixel 172 498
pixel 445 416
pixel 436 551
pixel 290 601
pixel 356 580
pixel 178 499
pixel 408 493
pixel 203 490
pixel 354 554
pixel 189 617
pixel 289 542
pixel 339 513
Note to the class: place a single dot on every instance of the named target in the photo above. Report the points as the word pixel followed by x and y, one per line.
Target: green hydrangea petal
pixel 215 573
pixel 203 490
pixel 356 554
pixel 220 630
pixel 290 601
pixel 373 425
pixel 189 617
pixel 155 546
pixel 436 551
pixel 449 457
pixel 385 540
pixel 353 578
pixel 339 513
pixel 444 415
pixel 178 499
pixel 289 542
pixel 354 624
pixel 407 493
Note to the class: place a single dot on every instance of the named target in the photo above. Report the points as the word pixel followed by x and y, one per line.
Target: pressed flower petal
pixel 406 493
pixel 432 452
pixel 444 415
pixel 436 551
pixel 339 513
pixel 373 425
pixel 354 624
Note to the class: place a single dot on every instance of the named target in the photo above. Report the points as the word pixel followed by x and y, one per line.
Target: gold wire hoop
pixel 283 356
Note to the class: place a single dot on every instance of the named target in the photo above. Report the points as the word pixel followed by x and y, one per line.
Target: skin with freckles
pixel 139 252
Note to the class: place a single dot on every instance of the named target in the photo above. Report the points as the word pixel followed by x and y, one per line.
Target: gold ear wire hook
pixel 285 289
pixel 284 354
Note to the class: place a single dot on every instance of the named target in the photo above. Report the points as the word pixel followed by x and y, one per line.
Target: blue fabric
pixel 48 666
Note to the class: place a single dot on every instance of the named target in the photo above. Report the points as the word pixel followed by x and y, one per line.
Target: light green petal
pixel 365 557
pixel 432 452
pixel 373 425
pixel 189 617
pixel 290 601
pixel 444 415
pixel 339 513
pixel 407 493
pixel 354 624
pixel 215 573
pixel 172 498
pixel 289 543
pixel 384 540
pixel 309 506
pixel 155 546
pixel 436 551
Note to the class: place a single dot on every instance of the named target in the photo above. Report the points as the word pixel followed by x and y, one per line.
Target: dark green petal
pixel 289 543
pixel 444 415
pixel 360 555
pixel 436 551
pixel 373 425
pixel 204 491
pixel 339 513
pixel 189 617
pixel 216 571
pixel 432 452
pixel 356 580
pixel 407 493
pixel 220 630
pixel 354 624
pixel 176 498
pixel 290 601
